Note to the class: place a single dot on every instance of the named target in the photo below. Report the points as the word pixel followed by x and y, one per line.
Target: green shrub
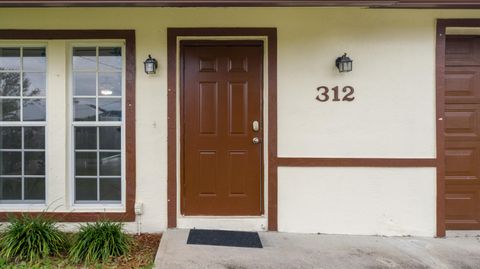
pixel 99 241
pixel 31 238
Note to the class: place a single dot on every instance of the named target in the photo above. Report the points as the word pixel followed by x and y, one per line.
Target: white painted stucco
pixel 367 201
pixel 392 116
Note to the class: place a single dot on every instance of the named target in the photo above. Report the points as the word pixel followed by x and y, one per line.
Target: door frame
pixel 173 37
pixel 442 25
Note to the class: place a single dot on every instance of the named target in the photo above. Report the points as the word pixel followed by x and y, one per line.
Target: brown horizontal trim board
pixel 129 37
pixel 355 162
pixel 74 216
pixel 246 3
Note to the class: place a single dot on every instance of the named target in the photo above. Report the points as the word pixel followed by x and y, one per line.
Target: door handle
pixel 255 126
pixel 256 140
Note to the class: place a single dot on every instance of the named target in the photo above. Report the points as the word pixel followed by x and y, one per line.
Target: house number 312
pixel 324 94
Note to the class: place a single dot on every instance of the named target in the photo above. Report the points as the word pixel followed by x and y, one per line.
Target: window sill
pixel 23 207
pixel 98 208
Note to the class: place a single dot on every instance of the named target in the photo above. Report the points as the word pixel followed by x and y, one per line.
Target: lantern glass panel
pixel 149 68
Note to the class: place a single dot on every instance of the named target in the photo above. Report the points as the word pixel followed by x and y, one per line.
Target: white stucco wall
pixel 368 201
pixel 392 115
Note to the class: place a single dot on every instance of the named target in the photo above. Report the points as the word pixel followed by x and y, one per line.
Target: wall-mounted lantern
pixel 344 63
pixel 150 65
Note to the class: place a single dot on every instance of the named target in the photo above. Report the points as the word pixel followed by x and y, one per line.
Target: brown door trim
pixel 442 25
pixel 270 77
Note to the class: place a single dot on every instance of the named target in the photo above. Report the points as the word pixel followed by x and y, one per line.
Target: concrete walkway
pixel 283 250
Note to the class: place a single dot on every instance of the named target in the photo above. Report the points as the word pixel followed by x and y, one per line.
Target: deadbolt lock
pixel 256 140
pixel 255 126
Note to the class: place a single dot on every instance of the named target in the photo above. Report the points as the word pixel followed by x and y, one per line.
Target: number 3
pixel 324 94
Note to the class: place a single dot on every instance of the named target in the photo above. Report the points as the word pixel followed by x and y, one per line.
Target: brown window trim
pixel 129 37
pixel 271 77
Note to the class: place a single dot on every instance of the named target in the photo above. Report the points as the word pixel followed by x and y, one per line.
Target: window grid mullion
pixel 98 163
pixel 96 84
pixel 23 163
pixel 21 84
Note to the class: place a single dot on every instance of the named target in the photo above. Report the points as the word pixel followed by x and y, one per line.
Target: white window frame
pixel 23 204
pixel 95 205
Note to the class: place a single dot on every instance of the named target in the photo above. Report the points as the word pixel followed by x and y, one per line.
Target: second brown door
pixel 221 128
pixel 462 132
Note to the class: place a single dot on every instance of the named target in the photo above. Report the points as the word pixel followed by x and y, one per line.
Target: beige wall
pixel 392 116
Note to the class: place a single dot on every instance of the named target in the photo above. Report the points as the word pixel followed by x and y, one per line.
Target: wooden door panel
pixel 221 97
pixel 462 133
pixel 462 207
pixel 237 172
pixel 462 51
pixel 462 122
pixel 238 107
pixel 208 108
pixel 462 162
pixel 461 83
pixel 207 179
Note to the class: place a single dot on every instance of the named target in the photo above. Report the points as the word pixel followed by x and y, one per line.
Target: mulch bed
pixel 142 253
pixel 141 256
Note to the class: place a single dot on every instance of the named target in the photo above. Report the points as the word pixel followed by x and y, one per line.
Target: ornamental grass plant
pixel 99 242
pixel 31 238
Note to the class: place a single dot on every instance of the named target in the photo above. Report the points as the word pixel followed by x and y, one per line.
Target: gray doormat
pixel 224 238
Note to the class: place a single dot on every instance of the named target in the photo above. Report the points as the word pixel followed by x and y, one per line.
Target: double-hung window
pixel 98 87
pixel 22 124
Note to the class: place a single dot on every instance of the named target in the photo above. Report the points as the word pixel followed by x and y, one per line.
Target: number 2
pixel 349 96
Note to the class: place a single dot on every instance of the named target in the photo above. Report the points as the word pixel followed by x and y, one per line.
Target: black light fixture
pixel 344 63
pixel 150 65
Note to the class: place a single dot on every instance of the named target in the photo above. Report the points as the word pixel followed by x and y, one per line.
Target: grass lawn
pixel 141 255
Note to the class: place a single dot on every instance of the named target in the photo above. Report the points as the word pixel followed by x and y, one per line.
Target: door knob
pixel 256 140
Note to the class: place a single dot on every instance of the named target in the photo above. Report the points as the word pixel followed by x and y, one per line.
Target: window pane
pixel 34 84
pixel 34 59
pixel 34 163
pixel 85 137
pixel 9 58
pixel 11 188
pixel 110 58
pixel 35 188
pixel 110 137
pixel 110 163
pixel 86 163
pixel 84 83
pixel 34 109
pixel 84 58
pixel 10 84
pixel 84 109
pixel 109 84
pixel 10 109
pixel 110 189
pixel 85 189
pixel 10 163
pixel 10 137
pixel 109 109
pixel 34 137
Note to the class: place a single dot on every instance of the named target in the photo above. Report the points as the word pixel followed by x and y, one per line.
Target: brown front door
pixel 462 132
pixel 221 106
